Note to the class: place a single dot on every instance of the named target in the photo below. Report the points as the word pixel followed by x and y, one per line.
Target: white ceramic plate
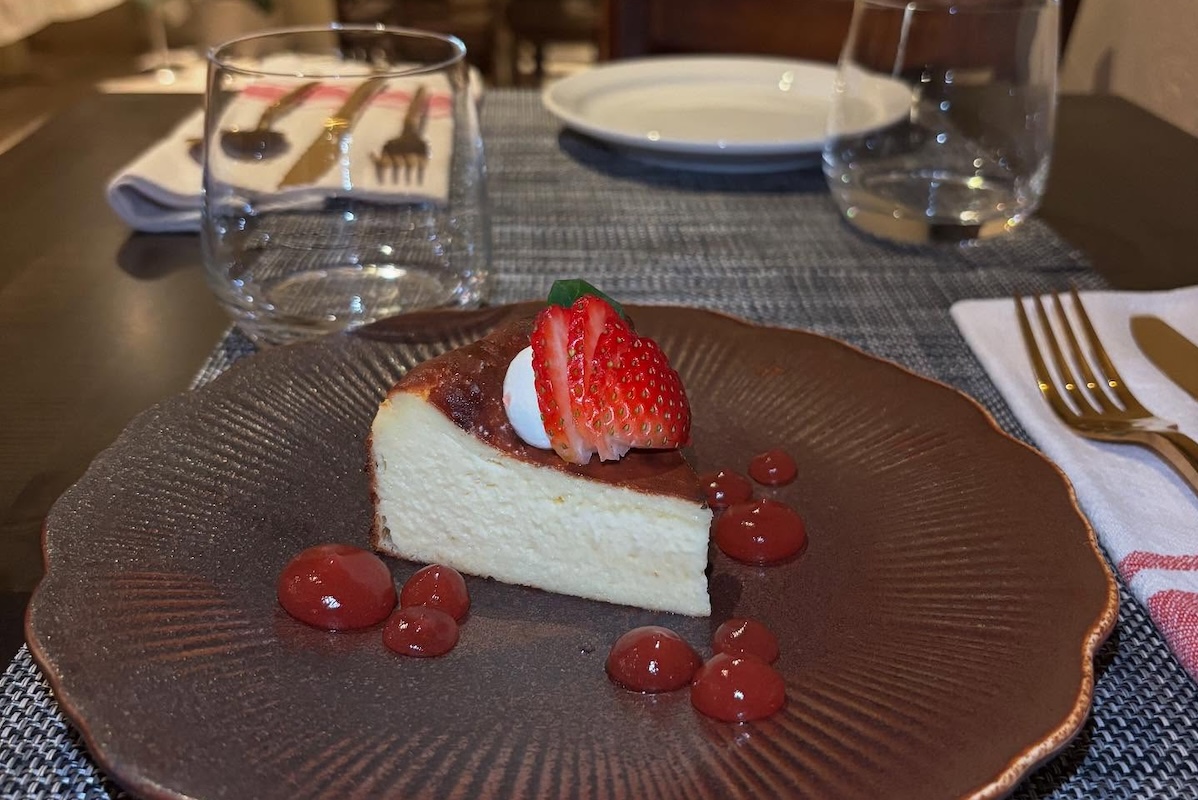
pixel 728 114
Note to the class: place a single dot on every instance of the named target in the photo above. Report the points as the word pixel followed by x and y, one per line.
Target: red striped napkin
pixel 1144 514
pixel 160 190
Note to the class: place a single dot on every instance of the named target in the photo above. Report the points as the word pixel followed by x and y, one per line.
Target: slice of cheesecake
pixel 453 484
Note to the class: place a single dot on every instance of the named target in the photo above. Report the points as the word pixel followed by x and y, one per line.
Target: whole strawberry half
pixel 601 388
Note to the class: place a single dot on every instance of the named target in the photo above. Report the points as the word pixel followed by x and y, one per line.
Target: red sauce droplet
pixel 739 636
pixel 725 488
pixel 773 468
pixel 760 532
pixel 421 631
pixel 652 659
pixel 337 587
pixel 437 586
pixel 737 688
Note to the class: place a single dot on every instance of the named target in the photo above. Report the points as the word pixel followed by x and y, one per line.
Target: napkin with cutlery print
pixel 160 191
pixel 1144 514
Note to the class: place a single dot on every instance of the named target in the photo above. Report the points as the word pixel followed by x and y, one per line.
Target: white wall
pixel 1143 50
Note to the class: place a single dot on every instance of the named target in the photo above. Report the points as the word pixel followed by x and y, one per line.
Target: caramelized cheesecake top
pixel 466 385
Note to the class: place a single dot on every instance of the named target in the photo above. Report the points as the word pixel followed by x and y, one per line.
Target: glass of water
pixel 344 179
pixel 968 157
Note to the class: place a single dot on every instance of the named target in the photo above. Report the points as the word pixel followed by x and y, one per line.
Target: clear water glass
pixel 969 156
pixel 309 224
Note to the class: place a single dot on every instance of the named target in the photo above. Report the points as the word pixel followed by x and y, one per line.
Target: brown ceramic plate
pixel 937 635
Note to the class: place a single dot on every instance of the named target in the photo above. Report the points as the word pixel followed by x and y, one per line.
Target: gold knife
pixel 1172 353
pixel 323 153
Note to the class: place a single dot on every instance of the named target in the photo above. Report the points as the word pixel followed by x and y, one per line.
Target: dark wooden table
pixel 97 323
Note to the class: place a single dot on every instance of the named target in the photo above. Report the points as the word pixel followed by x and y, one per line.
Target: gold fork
pixel 410 149
pixel 1105 408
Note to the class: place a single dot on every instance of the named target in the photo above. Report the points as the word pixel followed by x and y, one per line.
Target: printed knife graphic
pixel 324 152
pixel 1172 353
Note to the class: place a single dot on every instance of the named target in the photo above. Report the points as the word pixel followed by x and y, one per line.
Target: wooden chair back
pixel 807 29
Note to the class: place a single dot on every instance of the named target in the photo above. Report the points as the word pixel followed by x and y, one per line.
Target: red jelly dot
pixel 737 688
pixel 421 632
pixel 725 488
pixel 337 587
pixel 773 468
pixel 740 636
pixel 760 532
pixel 652 659
pixel 437 586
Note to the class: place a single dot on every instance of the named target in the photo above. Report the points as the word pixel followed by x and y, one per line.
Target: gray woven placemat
pixel 772 249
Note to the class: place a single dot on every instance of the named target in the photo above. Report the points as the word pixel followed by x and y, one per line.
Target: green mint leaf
pixel 564 293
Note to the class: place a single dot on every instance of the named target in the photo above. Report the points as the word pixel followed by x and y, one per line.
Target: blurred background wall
pixel 1143 50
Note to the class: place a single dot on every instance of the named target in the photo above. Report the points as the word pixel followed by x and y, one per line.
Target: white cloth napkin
pixel 160 190
pixel 1144 514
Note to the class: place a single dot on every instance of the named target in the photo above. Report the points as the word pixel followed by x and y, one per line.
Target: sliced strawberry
pixel 641 402
pixel 551 367
pixel 590 318
pixel 593 317
pixel 602 388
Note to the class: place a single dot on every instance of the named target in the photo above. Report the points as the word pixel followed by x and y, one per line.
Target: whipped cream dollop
pixel 520 401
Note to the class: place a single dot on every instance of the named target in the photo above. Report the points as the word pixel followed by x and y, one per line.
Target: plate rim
pixel 1033 754
pixel 678 65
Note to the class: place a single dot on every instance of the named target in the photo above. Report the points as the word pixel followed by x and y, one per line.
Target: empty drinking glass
pixel 970 157
pixel 344 179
